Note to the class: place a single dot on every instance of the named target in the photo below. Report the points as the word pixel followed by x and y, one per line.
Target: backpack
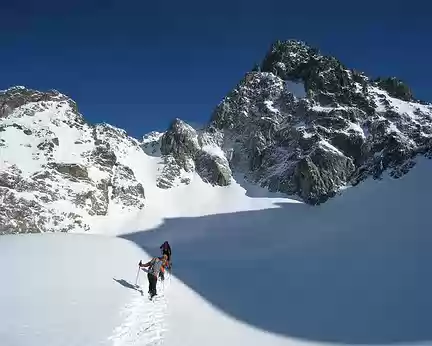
pixel 155 266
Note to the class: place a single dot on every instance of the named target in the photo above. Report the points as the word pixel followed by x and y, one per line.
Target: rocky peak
pixel 18 96
pixel 326 80
pixel 304 124
pixel 286 57
pixel 185 151
pixel 395 88
pixel 344 129
pixel 180 139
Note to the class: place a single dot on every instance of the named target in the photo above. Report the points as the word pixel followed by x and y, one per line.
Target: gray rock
pixel 10 178
pixel 320 175
pixel 396 88
pixel 71 170
pixel 47 146
pixel 104 156
pixel 351 144
pixel 184 149
pixel 126 189
pixel 181 140
pixel 214 170
pixel 151 143
pixel 95 202
pixel 29 216
pixel 325 78
pixel 171 172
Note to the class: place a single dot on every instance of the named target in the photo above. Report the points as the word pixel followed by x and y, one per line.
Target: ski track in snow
pixel 144 321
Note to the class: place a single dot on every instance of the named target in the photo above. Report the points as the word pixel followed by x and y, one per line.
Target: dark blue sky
pixel 138 64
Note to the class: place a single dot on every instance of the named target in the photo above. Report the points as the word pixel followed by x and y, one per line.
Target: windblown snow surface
pixel 249 268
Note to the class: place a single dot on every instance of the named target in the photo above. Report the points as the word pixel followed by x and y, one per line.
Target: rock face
pixel 126 189
pixel 304 124
pixel 57 171
pixel 185 151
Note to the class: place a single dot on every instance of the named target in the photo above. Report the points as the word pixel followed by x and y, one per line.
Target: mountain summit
pixel 300 123
pixel 306 125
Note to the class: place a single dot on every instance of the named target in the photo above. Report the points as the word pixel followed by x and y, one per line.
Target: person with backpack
pixel 166 250
pixel 155 266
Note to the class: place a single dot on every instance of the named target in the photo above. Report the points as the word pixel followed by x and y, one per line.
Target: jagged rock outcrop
pixel 326 79
pixel 186 150
pixel 126 189
pixel 395 88
pixel 181 140
pixel 319 175
pixel 72 171
pixel 213 169
pixel 151 143
pixel 282 142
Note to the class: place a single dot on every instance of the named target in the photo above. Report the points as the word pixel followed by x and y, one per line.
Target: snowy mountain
pixel 301 124
pixel 304 125
pixel 57 171
pixel 251 266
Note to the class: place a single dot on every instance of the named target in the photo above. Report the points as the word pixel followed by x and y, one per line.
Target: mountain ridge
pixel 300 123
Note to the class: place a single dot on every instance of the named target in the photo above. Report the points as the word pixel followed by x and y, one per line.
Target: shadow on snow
pixel 126 284
pixel 353 270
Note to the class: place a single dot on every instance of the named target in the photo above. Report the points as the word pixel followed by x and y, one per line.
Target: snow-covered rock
pixel 186 150
pixel 56 171
pixel 151 143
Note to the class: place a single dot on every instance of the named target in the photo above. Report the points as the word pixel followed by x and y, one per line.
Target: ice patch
pixel 213 150
pixel 330 147
pixel 270 107
pixel 357 128
pixel 296 88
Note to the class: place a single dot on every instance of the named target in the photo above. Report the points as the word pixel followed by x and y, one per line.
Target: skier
pixel 166 250
pixel 155 266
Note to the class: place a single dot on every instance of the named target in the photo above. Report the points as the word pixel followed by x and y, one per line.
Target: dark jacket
pixel 165 247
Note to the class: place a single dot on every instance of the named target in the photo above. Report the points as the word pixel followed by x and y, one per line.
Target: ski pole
pixel 136 280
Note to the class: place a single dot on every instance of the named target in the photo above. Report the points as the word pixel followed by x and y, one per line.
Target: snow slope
pixel 60 289
pixel 250 271
pixel 352 271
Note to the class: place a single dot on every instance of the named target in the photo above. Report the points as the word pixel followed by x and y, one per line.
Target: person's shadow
pixel 127 284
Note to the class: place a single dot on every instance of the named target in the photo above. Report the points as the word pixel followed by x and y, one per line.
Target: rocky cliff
pixel 304 124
